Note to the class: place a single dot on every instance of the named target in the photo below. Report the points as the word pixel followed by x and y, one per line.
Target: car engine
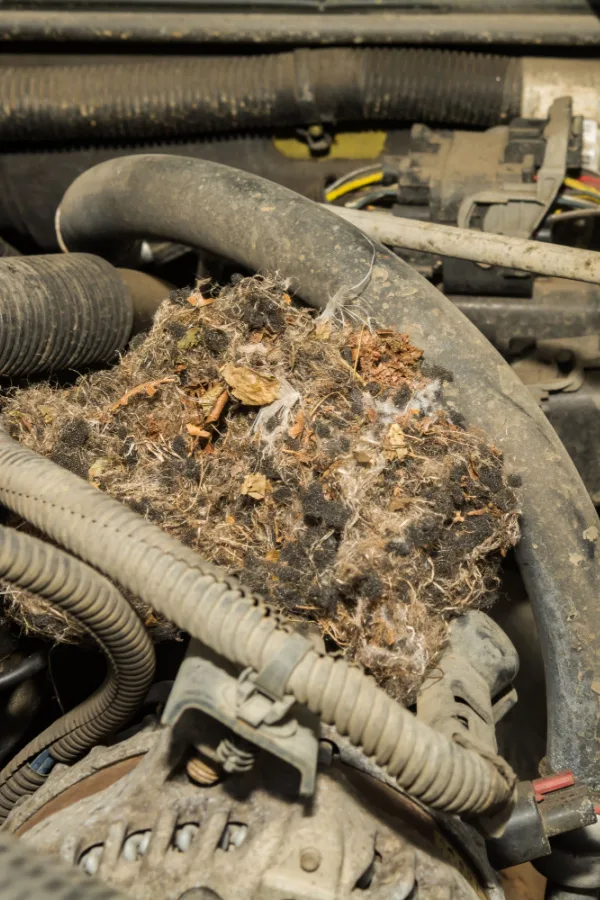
pixel 299 450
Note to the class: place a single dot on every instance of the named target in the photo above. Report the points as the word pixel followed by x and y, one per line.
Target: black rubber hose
pixel 27 875
pixel 95 603
pixel 27 668
pixel 60 312
pixel 262 226
pixel 32 183
pixel 179 96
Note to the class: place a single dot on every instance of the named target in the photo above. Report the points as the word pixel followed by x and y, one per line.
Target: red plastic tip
pixel 552 783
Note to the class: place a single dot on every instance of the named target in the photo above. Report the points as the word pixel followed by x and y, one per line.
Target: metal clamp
pixel 253 706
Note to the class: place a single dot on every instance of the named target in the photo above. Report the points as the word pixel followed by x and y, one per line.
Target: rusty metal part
pixel 241 838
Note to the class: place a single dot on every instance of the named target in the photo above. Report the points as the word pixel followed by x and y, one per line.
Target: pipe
pixel 27 668
pixel 60 312
pixel 177 96
pixel 27 874
pixel 262 226
pixel 27 216
pixel 32 565
pixel 339 25
pixel 477 246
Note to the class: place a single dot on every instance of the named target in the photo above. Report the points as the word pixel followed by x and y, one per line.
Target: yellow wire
pixel 582 187
pixel 349 186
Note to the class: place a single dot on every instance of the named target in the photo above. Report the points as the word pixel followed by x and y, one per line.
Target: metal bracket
pixel 519 209
pixel 251 705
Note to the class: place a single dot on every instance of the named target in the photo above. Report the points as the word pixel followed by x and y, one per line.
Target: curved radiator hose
pixel 261 225
pixel 60 312
pixel 203 600
pixel 179 96
pixel 82 593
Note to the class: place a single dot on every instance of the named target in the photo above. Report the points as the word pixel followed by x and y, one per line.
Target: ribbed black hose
pixel 95 603
pixel 60 312
pixel 27 875
pixel 180 96
pixel 263 226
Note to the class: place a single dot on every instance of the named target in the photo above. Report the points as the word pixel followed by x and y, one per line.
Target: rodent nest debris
pixel 313 459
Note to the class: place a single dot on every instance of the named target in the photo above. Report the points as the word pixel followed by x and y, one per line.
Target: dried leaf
pixel 323 330
pixel 196 299
pixel 148 387
pixel 190 339
pixel 196 430
pixel 98 468
pixel 298 427
pixel 399 503
pixel 47 413
pixel 256 486
pixel 249 386
pixel 287 299
pixel 363 458
pixel 395 437
pixel 272 555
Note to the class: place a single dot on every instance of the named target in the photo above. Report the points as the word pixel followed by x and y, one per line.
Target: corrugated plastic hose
pixel 213 607
pixel 262 226
pixel 95 603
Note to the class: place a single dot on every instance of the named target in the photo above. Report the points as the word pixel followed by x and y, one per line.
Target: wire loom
pixel 316 461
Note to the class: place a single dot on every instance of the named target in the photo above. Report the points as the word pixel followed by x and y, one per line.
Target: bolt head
pixel 310 859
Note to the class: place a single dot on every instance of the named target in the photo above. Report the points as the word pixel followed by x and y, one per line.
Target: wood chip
pixel 197 431
pixel 251 387
pixel 256 486
pixel 218 407
pixel 149 388
pixel 196 299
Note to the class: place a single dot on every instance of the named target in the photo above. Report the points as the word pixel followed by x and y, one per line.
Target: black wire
pixel 22 671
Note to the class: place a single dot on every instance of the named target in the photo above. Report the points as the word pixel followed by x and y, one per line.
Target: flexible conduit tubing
pixel 203 600
pixel 175 95
pixel 263 226
pixel 79 591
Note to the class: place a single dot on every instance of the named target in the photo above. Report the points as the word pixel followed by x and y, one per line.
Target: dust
pixel 314 461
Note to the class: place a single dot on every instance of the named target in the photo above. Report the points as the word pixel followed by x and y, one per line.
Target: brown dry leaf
pixel 298 427
pixel 197 431
pixel 98 468
pixel 272 555
pixel 256 486
pixel 287 299
pixel 196 299
pixel 249 386
pixel 218 407
pixel 363 458
pixel 148 387
pixel 395 437
pixel 399 503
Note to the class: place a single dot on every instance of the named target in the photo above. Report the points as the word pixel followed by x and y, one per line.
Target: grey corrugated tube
pixel 73 587
pixel 263 227
pixel 213 607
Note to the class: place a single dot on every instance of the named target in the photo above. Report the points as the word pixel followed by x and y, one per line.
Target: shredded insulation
pixel 312 458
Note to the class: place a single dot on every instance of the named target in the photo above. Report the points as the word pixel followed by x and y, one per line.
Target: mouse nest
pixel 314 460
